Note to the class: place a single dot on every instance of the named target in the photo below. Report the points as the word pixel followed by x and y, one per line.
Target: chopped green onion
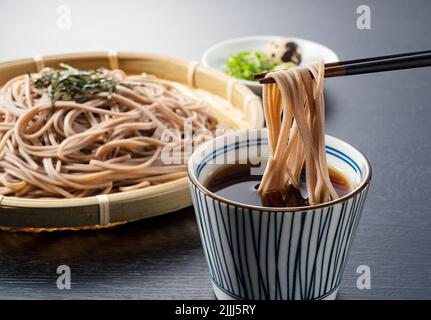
pixel 247 63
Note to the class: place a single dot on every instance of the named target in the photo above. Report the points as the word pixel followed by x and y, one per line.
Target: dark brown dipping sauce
pixel 236 183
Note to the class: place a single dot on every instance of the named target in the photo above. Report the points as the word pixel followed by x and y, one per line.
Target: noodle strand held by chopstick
pixel 294 113
pixel 107 142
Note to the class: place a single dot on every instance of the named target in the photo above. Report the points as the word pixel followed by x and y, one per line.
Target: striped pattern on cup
pixel 276 253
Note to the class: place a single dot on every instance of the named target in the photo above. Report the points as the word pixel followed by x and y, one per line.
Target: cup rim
pixel 250 207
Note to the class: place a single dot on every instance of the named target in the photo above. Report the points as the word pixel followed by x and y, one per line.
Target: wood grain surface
pixel 387 116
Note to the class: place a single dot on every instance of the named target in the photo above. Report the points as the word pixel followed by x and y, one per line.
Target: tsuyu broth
pixel 240 183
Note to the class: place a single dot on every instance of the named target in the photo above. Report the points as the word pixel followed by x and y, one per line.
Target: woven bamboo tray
pixel 35 215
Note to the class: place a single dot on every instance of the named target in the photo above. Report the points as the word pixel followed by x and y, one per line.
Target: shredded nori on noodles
pixel 70 83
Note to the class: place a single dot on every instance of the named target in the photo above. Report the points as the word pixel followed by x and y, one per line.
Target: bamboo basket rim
pixel 160 189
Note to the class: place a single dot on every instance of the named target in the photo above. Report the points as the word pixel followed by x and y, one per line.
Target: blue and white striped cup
pixel 275 253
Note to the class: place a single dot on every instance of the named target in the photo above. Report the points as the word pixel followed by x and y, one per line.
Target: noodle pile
pixel 108 142
pixel 294 113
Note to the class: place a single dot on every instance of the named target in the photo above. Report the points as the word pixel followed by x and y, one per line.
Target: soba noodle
pixel 294 113
pixel 109 142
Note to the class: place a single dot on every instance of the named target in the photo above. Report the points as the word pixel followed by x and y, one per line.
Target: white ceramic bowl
pixel 216 56
pixel 275 253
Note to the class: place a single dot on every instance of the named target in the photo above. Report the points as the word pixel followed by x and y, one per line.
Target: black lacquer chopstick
pixel 370 65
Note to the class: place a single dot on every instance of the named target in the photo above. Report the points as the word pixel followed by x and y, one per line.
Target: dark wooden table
pixel 387 116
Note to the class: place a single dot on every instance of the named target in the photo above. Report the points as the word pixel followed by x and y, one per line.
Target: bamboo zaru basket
pixel 34 215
